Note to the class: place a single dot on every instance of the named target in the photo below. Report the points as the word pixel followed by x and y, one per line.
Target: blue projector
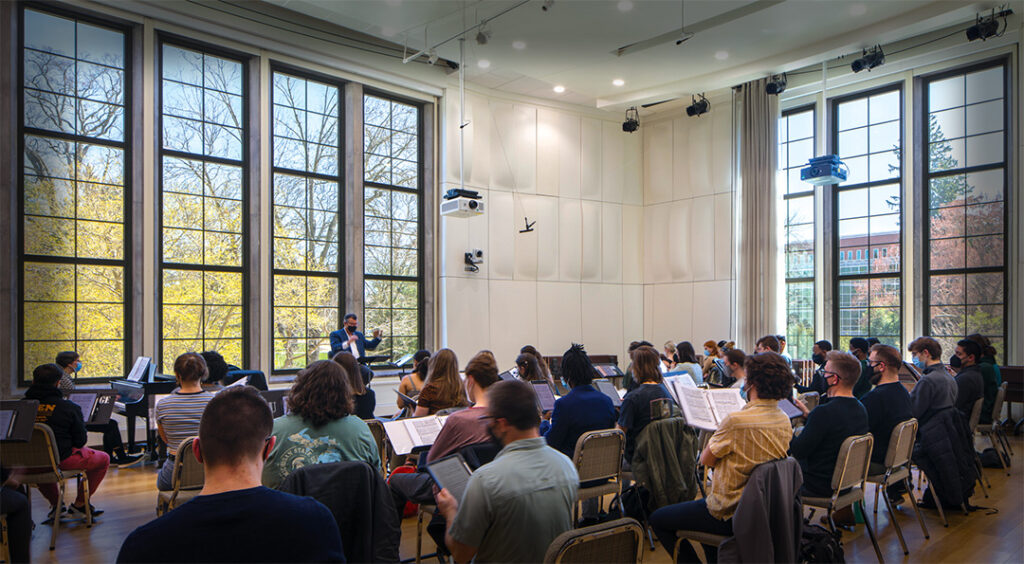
pixel 824 170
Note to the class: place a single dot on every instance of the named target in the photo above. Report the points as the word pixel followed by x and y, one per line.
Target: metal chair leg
pixel 917 510
pixel 938 505
pixel 871 533
pixel 896 524
pixel 877 487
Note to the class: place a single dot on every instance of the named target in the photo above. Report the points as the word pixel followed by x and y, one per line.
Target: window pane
pixel 967 216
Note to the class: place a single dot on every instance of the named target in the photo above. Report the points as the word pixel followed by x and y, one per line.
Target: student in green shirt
pixel 321 425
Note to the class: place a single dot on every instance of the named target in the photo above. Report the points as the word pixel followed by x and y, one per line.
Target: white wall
pixel 688 226
pixel 578 276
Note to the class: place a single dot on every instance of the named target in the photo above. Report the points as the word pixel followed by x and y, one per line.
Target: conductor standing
pixel 347 339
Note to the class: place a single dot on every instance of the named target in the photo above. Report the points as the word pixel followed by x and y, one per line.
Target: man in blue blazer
pixel 347 337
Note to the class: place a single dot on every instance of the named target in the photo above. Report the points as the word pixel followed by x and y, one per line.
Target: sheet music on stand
pixel 412 433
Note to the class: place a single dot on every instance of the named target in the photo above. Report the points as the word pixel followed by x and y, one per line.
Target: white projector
pixel 462 207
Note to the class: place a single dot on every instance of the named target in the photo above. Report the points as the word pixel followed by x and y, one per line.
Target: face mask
pixel 78 366
pixel 707 352
pixel 954 361
pixel 818 359
pixel 743 391
pixel 564 383
pixel 919 363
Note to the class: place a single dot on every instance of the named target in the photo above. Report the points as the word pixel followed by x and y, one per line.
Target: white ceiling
pixel 573 44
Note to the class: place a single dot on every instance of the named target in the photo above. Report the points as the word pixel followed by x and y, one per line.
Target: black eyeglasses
pixel 828 373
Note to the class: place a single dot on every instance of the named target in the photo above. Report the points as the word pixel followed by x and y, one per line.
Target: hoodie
pixel 63 416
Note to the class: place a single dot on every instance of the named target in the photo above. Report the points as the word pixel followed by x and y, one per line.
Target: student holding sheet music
pixel 582 409
pixel 444 387
pixel 178 414
pixel 321 425
pixel 411 384
pixel 113 445
pixel 461 429
pixel 757 433
pixel 635 412
pixel 65 418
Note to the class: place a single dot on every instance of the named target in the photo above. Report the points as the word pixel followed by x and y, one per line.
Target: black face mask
pixel 954 361
pixel 818 359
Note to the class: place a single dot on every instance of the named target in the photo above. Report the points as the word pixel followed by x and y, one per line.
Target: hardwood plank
pixel 129 498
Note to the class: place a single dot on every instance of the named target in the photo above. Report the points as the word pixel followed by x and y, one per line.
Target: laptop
pixel 17 419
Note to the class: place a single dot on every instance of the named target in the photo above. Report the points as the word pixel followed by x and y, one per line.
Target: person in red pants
pixel 65 418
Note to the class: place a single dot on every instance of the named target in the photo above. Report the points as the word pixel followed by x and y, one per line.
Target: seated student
pixel 461 429
pixel 758 433
pixel 628 380
pixel 516 505
pixel 817 384
pixel 688 362
pixel 65 418
pixel 936 390
pixel 635 412
pixel 178 415
pixel 218 377
pixel 828 425
pixel 990 375
pixel 970 384
pixel 734 361
pixel 859 348
pixel 782 349
pixel 234 518
pixel 363 398
pixel 321 425
pixel 443 389
pixel 545 370
pixel 412 383
pixel 887 405
pixel 768 343
pixel 582 409
pixel 668 357
pixel 711 353
pixel 112 443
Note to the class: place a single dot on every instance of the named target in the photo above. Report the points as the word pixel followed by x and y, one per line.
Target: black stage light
pixel 632 122
pixel 983 28
pixel 869 60
pixel 698 107
pixel 776 85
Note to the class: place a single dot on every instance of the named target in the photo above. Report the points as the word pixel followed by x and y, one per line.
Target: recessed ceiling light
pixel 858 9
pixel 519 45
pixel 618 82
pixel 559 89
pixel 483 63
pixel 721 55
pixel 625 5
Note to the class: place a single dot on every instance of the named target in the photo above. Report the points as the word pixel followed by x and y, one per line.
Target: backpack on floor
pixel 410 507
pixel 818 544
pixel 990 458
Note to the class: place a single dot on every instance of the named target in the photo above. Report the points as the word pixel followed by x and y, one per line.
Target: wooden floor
pixel 129 498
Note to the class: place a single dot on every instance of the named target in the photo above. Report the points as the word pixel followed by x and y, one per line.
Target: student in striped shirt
pixel 178 415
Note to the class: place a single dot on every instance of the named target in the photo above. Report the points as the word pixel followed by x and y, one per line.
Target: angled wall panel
pixel 632 244
pixel 673 310
pixel 677 246
pixel 613 159
pixel 525 243
pixel 500 258
pixel 656 227
pixel 611 243
pixel 721 141
pixel 559 322
pixel 712 310
pixel 549 141
pixel 632 319
pixel 502 145
pixel 513 319
pixel 525 143
pixel 465 311
pixel 602 318
pixel 546 233
pixel 657 162
pixel 591 241
pixel 703 246
pixel 633 169
pixel 478 141
pixel 570 240
pixel 723 235
pixel 681 162
pixel 699 154
pixel 590 159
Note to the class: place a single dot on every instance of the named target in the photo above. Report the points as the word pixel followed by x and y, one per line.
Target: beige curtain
pixel 756 273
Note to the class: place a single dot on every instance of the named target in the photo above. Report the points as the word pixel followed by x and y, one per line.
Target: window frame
pixel 245 164
pixel 420 192
pixel 832 204
pixel 924 177
pixel 786 196
pixel 339 274
pixel 126 145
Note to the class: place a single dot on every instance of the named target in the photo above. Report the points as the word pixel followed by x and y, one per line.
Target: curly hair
pixel 321 393
pixel 769 374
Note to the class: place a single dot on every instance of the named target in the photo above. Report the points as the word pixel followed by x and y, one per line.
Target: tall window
pixel 796 146
pixel 393 225
pixel 867 137
pixel 307 202
pixel 202 158
pixel 965 175
pixel 73 187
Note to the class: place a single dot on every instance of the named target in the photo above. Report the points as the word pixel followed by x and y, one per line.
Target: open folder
pixel 408 434
pixel 705 409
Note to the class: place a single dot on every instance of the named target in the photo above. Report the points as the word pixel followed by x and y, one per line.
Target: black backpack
pixel 718 376
pixel 990 458
pixel 818 544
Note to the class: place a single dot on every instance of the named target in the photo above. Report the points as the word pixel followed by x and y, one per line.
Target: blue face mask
pixel 564 384
pixel 743 391
pixel 918 362
pixel 707 352
pixel 78 366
